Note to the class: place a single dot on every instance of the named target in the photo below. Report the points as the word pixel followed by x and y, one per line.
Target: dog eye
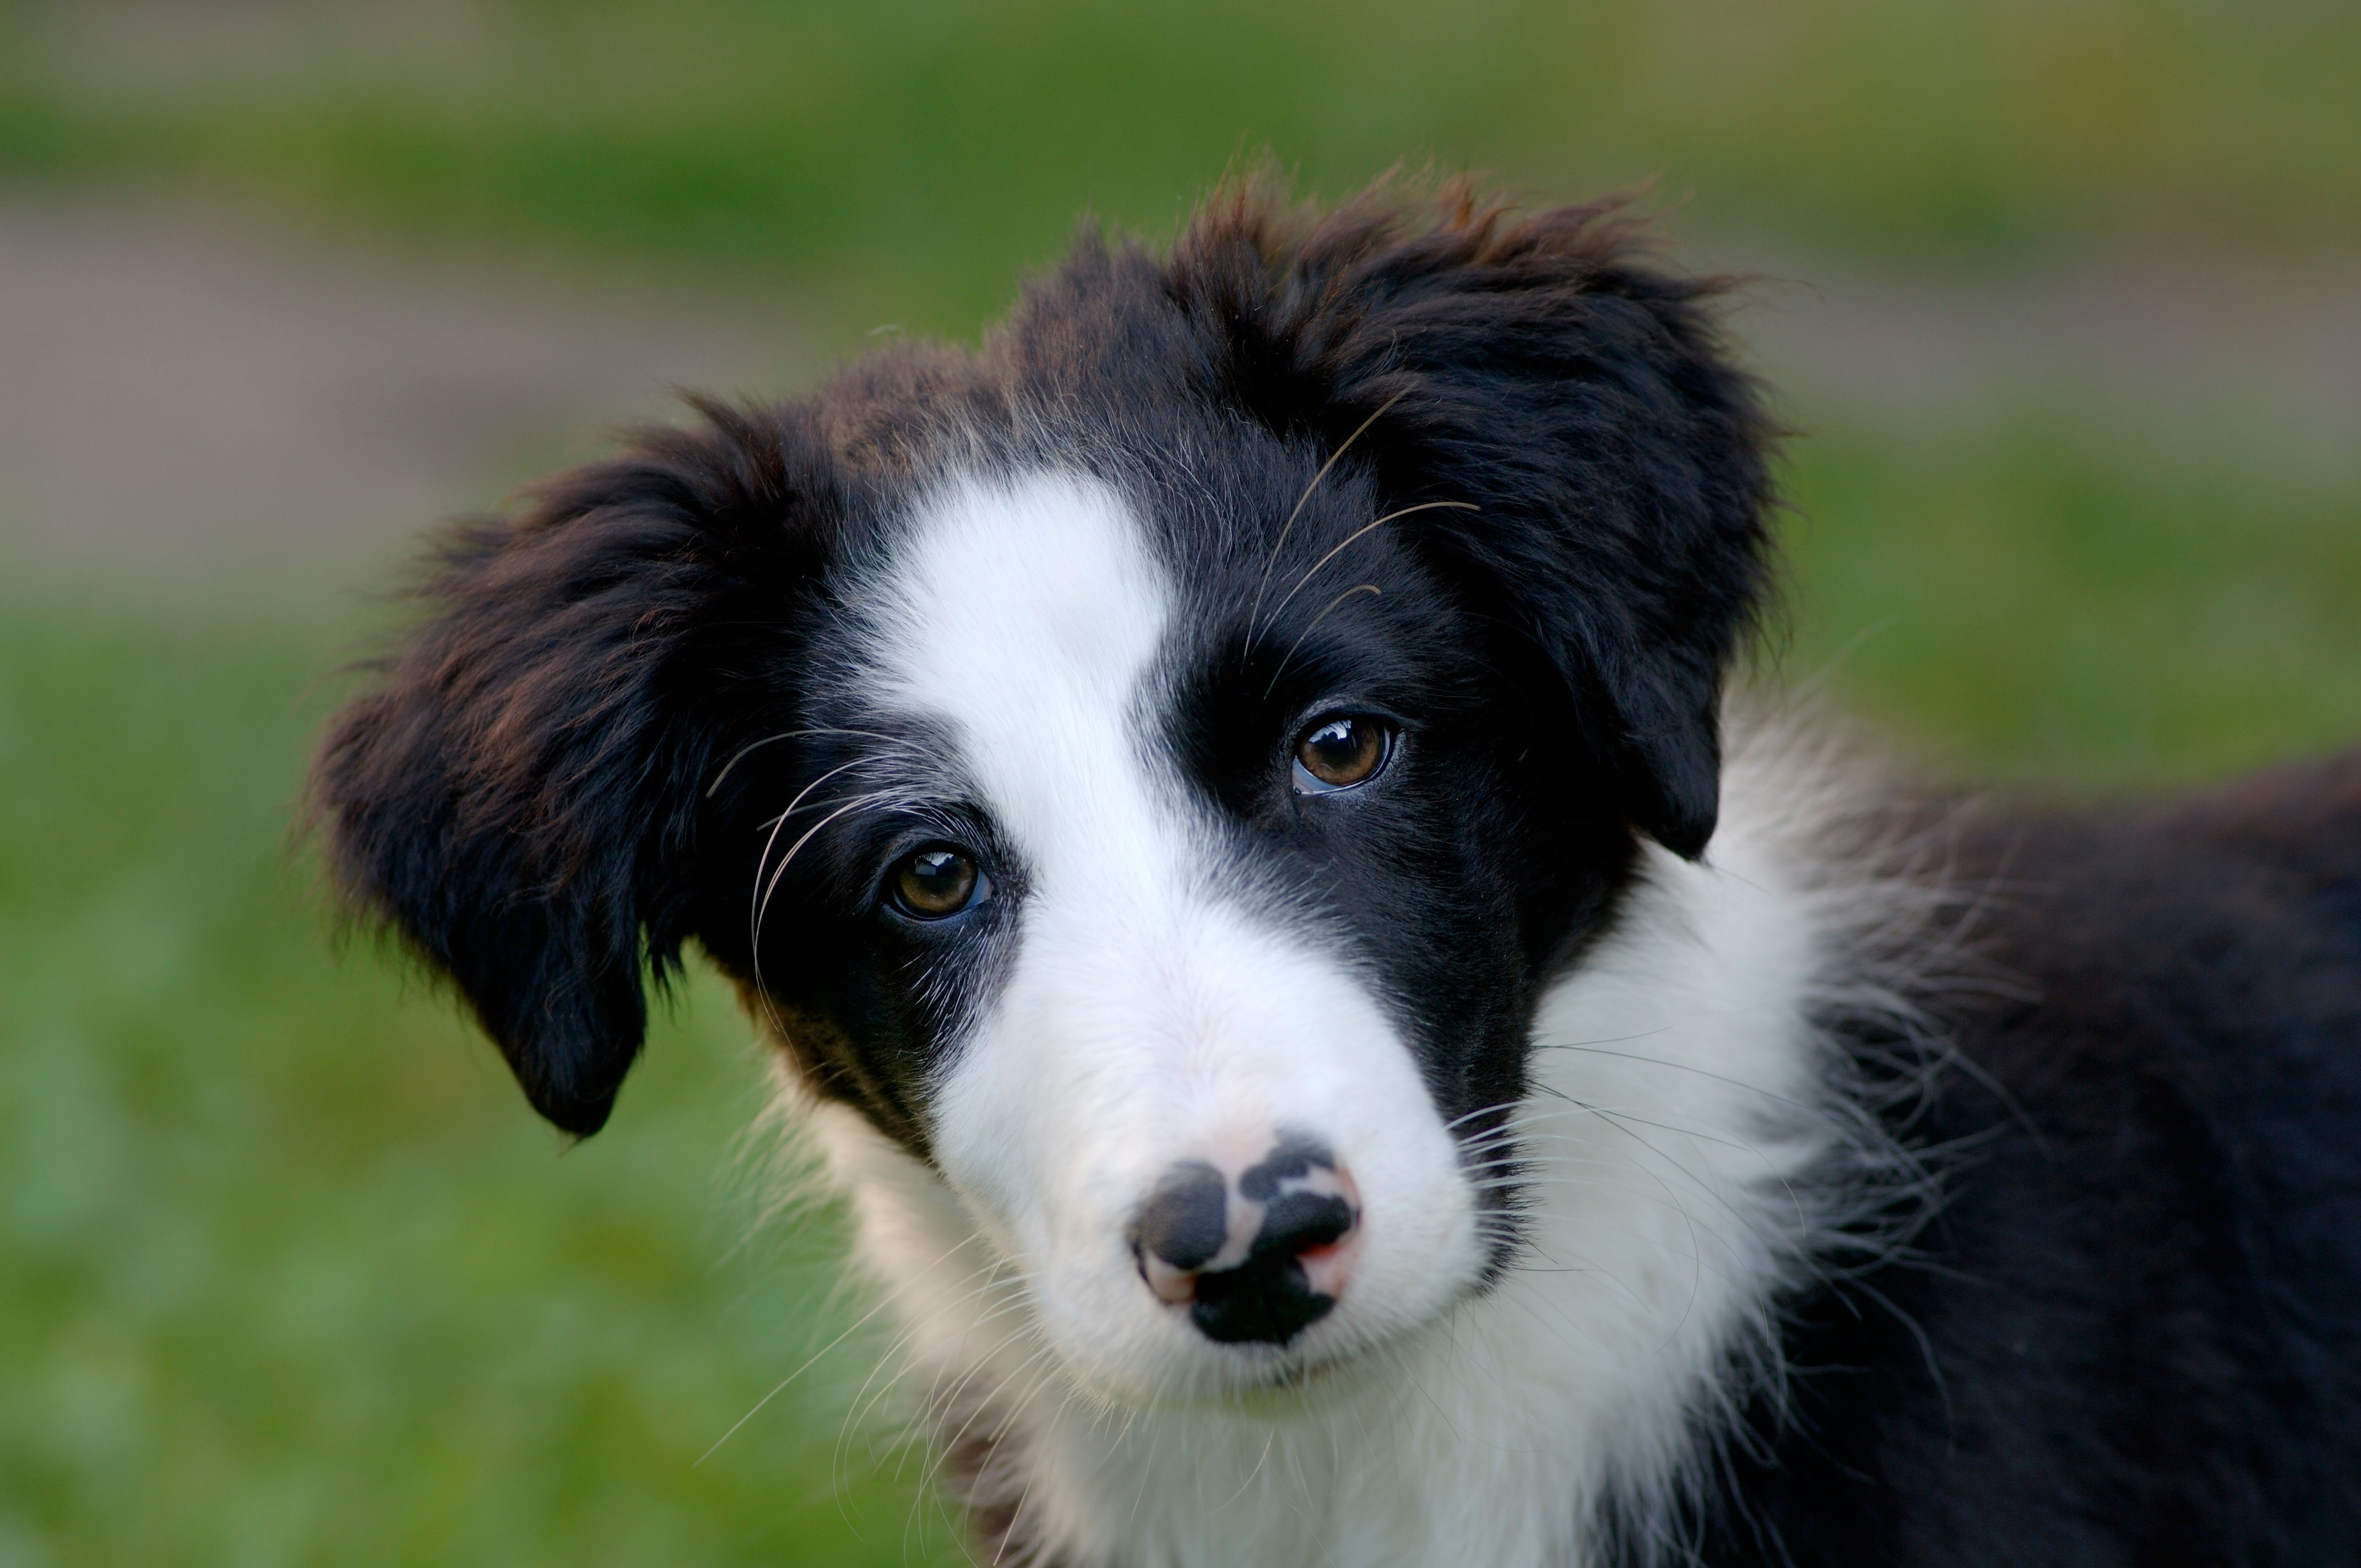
pixel 1341 750
pixel 937 882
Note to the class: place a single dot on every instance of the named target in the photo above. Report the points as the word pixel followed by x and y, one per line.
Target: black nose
pixel 1187 1219
pixel 1254 1257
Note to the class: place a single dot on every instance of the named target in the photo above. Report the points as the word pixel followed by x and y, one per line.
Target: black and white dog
pixel 1219 801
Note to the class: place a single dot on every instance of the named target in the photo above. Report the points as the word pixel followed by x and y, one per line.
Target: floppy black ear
pixel 1580 398
pixel 519 796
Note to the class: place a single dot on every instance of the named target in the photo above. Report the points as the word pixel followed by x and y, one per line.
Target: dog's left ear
pixel 1576 397
pixel 520 795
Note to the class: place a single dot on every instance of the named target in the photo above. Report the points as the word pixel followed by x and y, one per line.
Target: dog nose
pixel 1258 1254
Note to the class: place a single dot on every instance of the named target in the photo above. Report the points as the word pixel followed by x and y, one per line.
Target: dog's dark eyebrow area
pixel 1222 806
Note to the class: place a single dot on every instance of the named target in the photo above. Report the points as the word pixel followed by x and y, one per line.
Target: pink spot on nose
pixel 1178 1286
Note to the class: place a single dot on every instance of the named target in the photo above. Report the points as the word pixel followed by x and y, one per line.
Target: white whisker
pixel 1254 614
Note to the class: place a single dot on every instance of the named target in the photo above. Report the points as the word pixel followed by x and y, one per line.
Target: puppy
pixel 1218 804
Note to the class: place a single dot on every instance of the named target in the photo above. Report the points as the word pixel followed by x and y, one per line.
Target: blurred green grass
pixel 902 160
pixel 2036 599
pixel 293 1277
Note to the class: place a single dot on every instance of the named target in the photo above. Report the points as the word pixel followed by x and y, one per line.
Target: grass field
pixel 2037 601
pixel 291 1275
pixel 902 160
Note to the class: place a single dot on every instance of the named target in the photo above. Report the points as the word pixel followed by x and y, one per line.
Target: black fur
pixel 521 797
pixel 2131 1333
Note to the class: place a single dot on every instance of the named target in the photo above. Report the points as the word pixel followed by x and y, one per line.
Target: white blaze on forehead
pixel 1023 613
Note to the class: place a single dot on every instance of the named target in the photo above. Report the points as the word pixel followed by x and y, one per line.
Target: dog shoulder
pixel 2136 1300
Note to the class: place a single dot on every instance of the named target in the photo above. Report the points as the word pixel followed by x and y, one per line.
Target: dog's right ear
pixel 1601 463
pixel 519 796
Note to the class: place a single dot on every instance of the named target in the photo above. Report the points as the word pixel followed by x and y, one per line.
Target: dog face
pixel 1148 770
pixel 1205 929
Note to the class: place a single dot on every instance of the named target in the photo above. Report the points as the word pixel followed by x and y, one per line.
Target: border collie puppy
pixel 1218 803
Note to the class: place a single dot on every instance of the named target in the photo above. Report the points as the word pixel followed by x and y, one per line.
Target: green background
pixel 287 1272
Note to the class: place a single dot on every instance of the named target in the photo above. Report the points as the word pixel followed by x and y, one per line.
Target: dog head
pixel 1149 769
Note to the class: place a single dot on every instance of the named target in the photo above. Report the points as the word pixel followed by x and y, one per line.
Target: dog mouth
pixel 1249 1378
pixel 1329 1359
pixel 1284 1381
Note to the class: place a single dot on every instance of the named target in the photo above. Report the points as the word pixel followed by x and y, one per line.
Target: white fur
pixel 1679 1102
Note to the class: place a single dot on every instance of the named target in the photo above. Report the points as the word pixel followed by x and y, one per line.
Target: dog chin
pixel 1182 1370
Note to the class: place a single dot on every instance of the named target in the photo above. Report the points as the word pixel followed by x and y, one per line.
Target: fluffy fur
pixel 1659 1159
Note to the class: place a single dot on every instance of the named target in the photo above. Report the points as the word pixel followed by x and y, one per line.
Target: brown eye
pixel 938 882
pixel 1339 752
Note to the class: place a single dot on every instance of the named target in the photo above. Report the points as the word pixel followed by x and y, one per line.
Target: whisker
pixel 1364 528
pixel 762 908
pixel 865 1401
pixel 948 1399
pixel 1340 599
pixel 862 1402
pixel 1025 1495
pixel 1003 1420
pixel 1495 1107
pixel 1680 1067
pixel 884 1301
pixel 751 746
pixel 1253 615
pixel 801 794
